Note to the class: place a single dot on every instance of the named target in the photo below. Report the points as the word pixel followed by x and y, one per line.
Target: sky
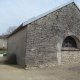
pixel 15 12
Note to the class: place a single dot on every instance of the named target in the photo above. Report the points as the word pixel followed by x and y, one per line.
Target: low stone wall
pixel 70 57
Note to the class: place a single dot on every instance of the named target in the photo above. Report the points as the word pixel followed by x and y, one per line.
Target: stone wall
pixel 41 46
pixel 16 45
pixel 45 35
pixel 68 57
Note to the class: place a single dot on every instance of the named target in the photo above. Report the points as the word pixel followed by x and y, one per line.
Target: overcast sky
pixel 15 12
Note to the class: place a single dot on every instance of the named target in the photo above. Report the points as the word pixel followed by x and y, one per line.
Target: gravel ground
pixel 15 72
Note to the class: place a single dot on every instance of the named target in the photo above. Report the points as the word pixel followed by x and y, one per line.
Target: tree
pixel 10 29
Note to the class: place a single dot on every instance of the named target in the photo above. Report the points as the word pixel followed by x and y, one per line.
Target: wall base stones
pixel 68 57
pixel 45 65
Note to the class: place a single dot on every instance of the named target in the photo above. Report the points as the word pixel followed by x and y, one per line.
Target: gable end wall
pixel 45 36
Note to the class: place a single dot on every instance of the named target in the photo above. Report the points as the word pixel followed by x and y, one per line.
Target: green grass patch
pixel 1 52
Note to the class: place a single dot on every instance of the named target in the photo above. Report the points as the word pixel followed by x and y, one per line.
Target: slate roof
pixel 40 16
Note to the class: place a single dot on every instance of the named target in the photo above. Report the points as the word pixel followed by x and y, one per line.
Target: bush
pixel 11 59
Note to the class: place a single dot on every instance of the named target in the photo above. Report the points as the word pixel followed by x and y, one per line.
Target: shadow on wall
pixel 11 59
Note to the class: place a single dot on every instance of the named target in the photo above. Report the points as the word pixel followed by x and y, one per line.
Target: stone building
pixel 52 38
pixel 3 42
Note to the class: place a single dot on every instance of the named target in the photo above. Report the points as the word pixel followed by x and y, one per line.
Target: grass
pixel 1 52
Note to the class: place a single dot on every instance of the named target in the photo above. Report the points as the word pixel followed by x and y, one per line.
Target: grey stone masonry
pixel 69 57
pixel 44 34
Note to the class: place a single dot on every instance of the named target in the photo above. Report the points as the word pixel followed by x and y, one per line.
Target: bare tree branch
pixel 11 29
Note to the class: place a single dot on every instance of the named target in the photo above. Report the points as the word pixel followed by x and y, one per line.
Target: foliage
pixel 10 29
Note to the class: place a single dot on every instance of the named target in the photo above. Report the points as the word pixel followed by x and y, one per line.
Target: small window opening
pixel 69 42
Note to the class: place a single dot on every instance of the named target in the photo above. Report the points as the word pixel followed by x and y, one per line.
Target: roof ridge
pixel 44 14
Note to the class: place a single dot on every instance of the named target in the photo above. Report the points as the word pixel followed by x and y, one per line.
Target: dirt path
pixel 15 72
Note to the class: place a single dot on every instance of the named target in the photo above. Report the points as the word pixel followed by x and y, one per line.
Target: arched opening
pixel 70 50
pixel 69 42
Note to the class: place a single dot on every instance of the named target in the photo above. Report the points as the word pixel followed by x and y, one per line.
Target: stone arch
pixel 75 50
pixel 71 54
pixel 69 42
pixel 76 41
